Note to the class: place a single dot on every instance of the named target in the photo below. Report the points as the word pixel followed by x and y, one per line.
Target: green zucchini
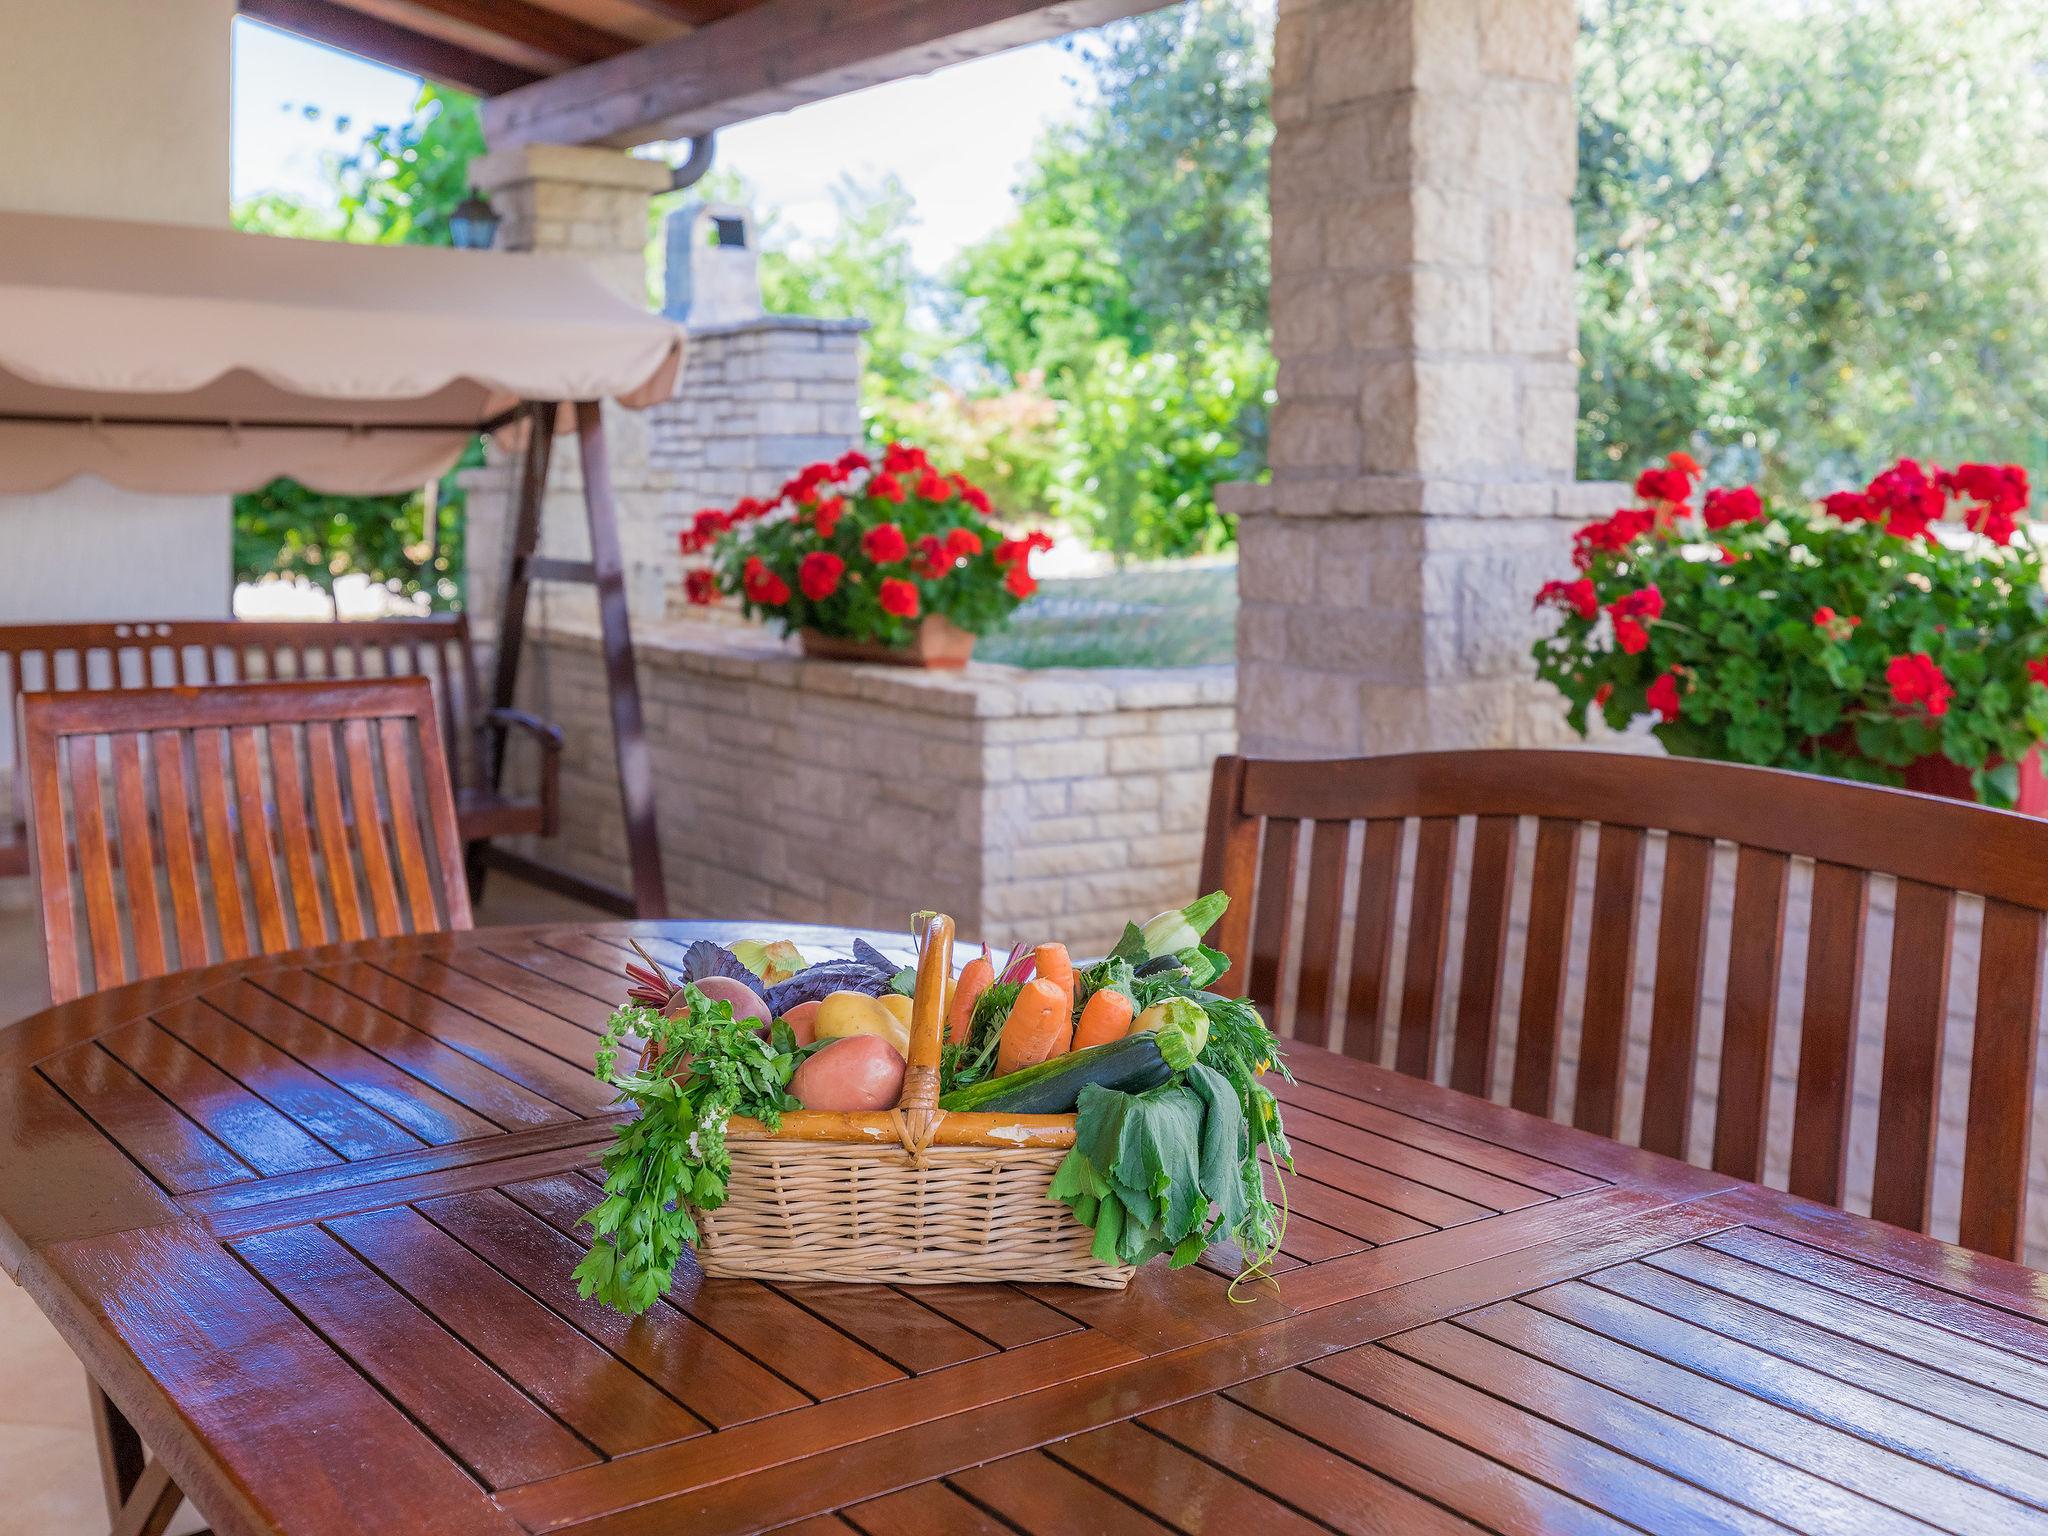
pixel 1130 1065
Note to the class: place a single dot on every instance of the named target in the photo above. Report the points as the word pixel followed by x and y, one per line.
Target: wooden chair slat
pixel 369 827
pixel 247 788
pixel 1230 861
pixel 1488 900
pixel 405 826
pixel 222 866
pixel 337 851
pixel 1675 998
pixel 1553 892
pixel 1273 909
pixel 1756 945
pixel 1429 924
pixel 296 835
pixel 95 865
pixel 1996 1138
pixel 1610 980
pixel 181 868
pixel 1827 1035
pixel 138 859
pixel 1322 927
pixel 1915 1031
pixel 259 844
pixel 1372 937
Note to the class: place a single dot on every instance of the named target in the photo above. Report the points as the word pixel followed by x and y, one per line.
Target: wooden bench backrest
pixel 197 653
pixel 263 817
pixel 1313 925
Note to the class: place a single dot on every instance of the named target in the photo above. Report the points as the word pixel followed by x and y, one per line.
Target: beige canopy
pixel 169 358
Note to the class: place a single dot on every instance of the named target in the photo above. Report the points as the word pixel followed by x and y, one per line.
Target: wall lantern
pixel 474 223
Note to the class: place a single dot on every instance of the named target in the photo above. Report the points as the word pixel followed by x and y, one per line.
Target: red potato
pixel 746 1002
pixel 803 1021
pixel 855 1073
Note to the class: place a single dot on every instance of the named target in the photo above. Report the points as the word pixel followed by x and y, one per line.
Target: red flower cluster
pixel 1725 508
pixel 898 597
pixel 2000 494
pixel 1915 679
pixel 1578 596
pixel 818 574
pixel 1015 555
pixel 700 586
pixel 1672 484
pixel 762 585
pixel 1629 612
pixel 1615 533
pixel 1663 695
pixel 884 544
pixel 1908 498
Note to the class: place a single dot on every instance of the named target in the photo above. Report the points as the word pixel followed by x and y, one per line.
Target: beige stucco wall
pixel 114 108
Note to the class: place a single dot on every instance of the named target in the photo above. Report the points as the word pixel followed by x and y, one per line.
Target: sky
pixel 957 139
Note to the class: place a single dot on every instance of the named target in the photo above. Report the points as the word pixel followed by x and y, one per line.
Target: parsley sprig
pixel 701 1069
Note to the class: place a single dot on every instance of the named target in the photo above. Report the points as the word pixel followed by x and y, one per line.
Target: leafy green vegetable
pixel 703 1068
pixel 1157 1172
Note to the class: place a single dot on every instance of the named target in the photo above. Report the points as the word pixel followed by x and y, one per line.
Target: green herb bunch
pixel 701 1068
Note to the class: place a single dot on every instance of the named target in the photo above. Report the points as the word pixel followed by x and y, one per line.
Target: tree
pixel 396 187
pixel 1810 237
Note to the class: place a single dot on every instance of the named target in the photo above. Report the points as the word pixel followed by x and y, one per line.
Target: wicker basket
pixel 907 1196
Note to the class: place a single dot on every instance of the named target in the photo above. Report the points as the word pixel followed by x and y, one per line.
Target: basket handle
pixel 917 1111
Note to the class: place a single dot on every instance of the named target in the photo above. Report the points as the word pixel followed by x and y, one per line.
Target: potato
pixel 897 1004
pixel 845 1014
pixel 856 1072
pixel 803 1021
pixel 746 1002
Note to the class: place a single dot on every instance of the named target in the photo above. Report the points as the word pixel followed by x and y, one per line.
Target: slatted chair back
pixel 1464 915
pixel 177 827
pixel 169 653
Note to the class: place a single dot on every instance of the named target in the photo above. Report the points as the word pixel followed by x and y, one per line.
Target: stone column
pixel 590 204
pixel 1423 323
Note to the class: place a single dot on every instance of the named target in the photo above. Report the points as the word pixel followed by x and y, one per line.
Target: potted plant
pixel 1897 634
pixel 890 562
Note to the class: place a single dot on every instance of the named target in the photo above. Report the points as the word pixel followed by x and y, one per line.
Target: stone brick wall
pixel 1030 805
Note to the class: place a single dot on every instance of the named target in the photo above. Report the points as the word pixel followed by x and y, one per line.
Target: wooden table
pixel 310 1220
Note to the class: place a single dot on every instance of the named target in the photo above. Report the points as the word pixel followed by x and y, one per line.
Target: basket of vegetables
pixel 855 1122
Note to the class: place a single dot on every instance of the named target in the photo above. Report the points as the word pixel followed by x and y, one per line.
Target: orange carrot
pixel 1106 1017
pixel 1037 1028
pixel 975 979
pixel 1053 965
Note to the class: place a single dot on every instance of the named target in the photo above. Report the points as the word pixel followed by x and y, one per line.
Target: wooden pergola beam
pixel 778 55
pixel 399 47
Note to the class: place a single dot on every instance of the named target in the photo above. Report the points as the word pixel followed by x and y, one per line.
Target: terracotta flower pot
pixel 1939 776
pixel 938 642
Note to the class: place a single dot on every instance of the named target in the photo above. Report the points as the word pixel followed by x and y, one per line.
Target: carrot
pixel 1054 966
pixel 1106 1017
pixel 975 979
pixel 1037 1028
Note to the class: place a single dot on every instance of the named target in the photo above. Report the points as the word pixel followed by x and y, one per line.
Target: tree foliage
pixel 1813 232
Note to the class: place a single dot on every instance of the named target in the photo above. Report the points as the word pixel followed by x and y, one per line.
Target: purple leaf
pixel 705 958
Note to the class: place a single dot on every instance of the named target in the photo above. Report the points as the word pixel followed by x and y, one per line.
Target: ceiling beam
pixel 515 31
pixel 382 42
pixel 780 54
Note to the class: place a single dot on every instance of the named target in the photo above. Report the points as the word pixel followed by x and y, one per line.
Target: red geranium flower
pixel 889 488
pixel 884 544
pixel 818 574
pixel 933 486
pixel 962 543
pixel 1614 533
pixel 974 496
pixel 1823 616
pixel 1672 484
pixel 932 560
pixel 2038 671
pixel 1602 694
pixel 763 585
pixel 1850 507
pixel 830 510
pixel 1909 499
pixel 898 597
pixel 1915 679
pixel 1724 508
pixel 1578 596
pixel 701 586
pixel 1663 696
pixel 1629 611
pixel 850 461
pixel 1020 580
pixel 902 459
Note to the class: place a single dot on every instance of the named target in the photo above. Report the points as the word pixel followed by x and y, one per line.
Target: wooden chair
pixel 194 825
pixel 1312 932
pixel 200 653
pixel 191 825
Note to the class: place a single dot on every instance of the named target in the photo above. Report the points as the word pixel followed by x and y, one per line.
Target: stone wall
pixel 1030 805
